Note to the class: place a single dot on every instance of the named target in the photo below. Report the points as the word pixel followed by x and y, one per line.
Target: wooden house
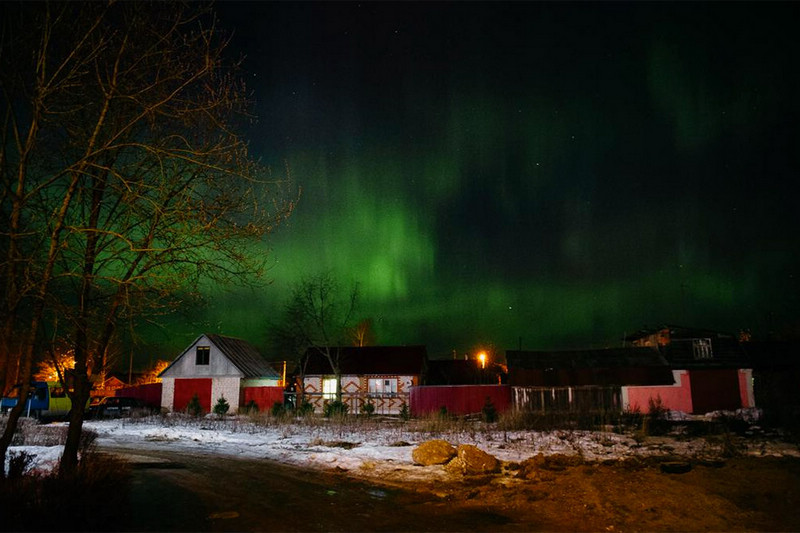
pixel 583 380
pixel 712 371
pixel 381 375
pixel 215 366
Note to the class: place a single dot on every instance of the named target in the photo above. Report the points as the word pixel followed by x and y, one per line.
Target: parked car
pixel 119 406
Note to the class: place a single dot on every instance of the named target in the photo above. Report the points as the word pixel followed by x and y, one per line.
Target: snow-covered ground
pixel 380 449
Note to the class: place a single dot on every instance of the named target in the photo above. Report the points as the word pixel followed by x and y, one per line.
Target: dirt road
pixel 174 491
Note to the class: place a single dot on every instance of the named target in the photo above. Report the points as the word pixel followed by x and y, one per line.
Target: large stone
pixel 475 461
pixel 433 452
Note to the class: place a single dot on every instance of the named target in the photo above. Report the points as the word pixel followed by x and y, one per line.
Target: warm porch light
pixel 482 359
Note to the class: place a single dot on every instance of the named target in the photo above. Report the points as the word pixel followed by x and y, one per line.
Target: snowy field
pixel 382 448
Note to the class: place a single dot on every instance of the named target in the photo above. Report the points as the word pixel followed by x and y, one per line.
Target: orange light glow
pixel 482 359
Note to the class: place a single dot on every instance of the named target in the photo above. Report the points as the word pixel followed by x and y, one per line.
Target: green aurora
pixel 550 175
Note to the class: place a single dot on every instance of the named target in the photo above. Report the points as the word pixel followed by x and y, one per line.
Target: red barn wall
pixel 264 397
pixel 459 399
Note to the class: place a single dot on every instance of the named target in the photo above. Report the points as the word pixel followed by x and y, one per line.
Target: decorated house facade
pixel 380 375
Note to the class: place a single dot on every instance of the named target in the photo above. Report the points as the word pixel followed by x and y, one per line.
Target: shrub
pixel 18 463
pixel 368 408
pixel 222 407
pixel 335 408
pixel 278 410
pixel 193 407
pixel 251 407
pixel 404 413
pixel 656 422
pixel 489 411
pixel 305 408
pixel 443 412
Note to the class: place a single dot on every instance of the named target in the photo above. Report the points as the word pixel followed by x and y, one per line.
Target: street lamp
pixel 482 359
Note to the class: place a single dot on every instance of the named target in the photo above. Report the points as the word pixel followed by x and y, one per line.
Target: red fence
pixel 459 399
pixel 264 397
pixel 150 394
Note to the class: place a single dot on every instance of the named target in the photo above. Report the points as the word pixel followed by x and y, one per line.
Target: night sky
pixel 553 175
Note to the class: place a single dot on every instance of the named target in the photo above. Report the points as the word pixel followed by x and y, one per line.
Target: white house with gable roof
pixel 215 366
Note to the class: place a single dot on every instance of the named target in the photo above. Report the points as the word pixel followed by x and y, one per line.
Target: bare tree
pixel 363 333
pixel 141 187
pixel 318 316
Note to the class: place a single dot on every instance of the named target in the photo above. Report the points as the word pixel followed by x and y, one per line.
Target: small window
pixel 202 355
pixel 382 386
pixel 57 392
pixel 702 348
pixel 329 388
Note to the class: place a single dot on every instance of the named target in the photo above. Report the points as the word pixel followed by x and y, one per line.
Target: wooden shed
pixel 215 366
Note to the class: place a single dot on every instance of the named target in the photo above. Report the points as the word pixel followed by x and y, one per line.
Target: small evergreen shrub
pixel 222 407
pixel 335 408
pixel 489 411
pixel 251 407
pixel 278 410
pixel 368 408
pixel 193 407
pixel 443 412
pixel 404 413
pixel 306 408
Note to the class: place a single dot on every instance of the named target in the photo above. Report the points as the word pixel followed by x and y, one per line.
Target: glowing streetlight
pixel 482 359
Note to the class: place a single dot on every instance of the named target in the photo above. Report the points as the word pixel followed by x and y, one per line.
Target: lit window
pixel 382 386
pixel 202 355
pixel 329 388
pixel 702 348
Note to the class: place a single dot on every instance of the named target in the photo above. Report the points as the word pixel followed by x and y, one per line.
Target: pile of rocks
pixel 466 458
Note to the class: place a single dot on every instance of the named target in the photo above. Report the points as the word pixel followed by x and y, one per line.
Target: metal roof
pixel 240 353
pixel 373 360
pixel 605 358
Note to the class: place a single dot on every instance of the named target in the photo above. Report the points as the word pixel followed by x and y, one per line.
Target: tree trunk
pixel 69 459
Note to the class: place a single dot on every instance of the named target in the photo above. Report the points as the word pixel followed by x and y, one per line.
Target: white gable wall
pixel 227 387
pixel 218 365
pixel 225 377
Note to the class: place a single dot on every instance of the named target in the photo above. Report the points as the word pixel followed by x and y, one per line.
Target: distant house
pixel 113 382
pixel 382 375
pixel 582 380
pixel 215 366
pixel 712 371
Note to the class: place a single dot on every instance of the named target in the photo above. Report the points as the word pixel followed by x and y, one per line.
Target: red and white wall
pixel 696 392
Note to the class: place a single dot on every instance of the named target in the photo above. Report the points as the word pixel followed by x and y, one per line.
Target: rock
pixel 433 452
pixel 455 467
pixel 475 461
